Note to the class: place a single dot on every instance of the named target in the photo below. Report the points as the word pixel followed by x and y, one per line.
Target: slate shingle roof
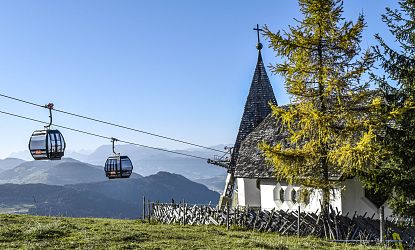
pixel 256 107
pixel 251 163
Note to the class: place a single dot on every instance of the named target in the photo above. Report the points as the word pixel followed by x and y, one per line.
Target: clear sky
pixel 179 68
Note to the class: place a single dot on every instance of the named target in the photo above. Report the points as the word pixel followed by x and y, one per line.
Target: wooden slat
pixel 332 225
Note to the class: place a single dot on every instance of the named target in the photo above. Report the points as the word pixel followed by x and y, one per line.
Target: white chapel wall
pixel 346 199
pixel 248 192
pixel 354 200
pixel 279 195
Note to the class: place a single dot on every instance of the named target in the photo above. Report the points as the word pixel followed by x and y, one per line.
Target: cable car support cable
pixel 104 137
pixel 113 124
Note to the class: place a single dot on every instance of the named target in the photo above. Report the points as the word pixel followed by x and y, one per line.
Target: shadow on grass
pixel 135 237
pixel 11 235
pixel 263 245
pixel 50 233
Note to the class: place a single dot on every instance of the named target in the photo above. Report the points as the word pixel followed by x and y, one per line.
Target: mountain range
pixel 79 188
pixel 10 163
pixel 149 161
pixel 111 198
pixel 65 171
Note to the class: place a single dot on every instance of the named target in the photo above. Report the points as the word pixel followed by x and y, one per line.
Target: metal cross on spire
pixel 259 44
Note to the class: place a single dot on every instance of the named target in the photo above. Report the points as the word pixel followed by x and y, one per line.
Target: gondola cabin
pixel 118 167
pixel 47 144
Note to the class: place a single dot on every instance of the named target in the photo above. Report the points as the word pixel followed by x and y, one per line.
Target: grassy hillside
pixel 32 232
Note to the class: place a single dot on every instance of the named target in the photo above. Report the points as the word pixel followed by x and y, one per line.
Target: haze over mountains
pixel 148 161
pixel 79 188
pixel 110 199
pixel 9 163
pixel 65 171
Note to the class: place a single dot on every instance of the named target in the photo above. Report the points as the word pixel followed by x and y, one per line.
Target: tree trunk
pixel 323 145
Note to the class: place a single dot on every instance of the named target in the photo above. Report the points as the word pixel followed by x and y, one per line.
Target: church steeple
pixel 257 105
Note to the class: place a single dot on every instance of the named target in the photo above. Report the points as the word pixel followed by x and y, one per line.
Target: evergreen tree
pixel 331 123
pixel 396 175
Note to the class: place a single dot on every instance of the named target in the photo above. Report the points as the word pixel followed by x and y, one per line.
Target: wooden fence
pixel 332 226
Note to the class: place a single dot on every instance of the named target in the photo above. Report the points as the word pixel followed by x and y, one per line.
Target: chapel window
pixel 282 193
pixel 294 196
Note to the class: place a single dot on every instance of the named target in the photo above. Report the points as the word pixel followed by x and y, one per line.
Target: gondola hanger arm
pixel 113 140
pixel 50 107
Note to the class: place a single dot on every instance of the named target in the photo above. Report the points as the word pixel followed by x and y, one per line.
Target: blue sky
pixel 178 68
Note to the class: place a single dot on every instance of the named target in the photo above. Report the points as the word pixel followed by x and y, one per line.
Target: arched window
pixel 294 196
pixel 282 192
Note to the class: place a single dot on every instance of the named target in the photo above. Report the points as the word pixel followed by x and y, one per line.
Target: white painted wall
pixel 346 199
pixel 240 185
pixel 270 197
pixel 248 192
pixel 353 199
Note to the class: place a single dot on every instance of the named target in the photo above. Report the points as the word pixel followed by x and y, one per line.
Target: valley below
pixel 78 187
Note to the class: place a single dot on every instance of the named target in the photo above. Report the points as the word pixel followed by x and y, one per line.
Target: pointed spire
pixel 257 105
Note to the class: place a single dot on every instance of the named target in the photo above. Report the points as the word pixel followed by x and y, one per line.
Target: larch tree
pixel 331 121
pixel 396 175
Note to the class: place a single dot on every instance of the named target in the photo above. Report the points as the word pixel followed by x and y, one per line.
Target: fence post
pixel 227 215
pixel 153 210
pixel 298 221
pixel 144 207
pixel 235 214
pixel 246 216
pixel 149 212
pixel 185 213
pixel 381 224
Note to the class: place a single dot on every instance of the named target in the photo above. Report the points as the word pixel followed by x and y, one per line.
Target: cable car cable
pixel 104 137
pixel 20 100
pixel 115 125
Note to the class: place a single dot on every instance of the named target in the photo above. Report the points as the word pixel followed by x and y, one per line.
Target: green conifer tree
pixel 396 175
pixel 330 124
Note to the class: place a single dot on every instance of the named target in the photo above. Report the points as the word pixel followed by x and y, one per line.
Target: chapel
pixel 251 180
